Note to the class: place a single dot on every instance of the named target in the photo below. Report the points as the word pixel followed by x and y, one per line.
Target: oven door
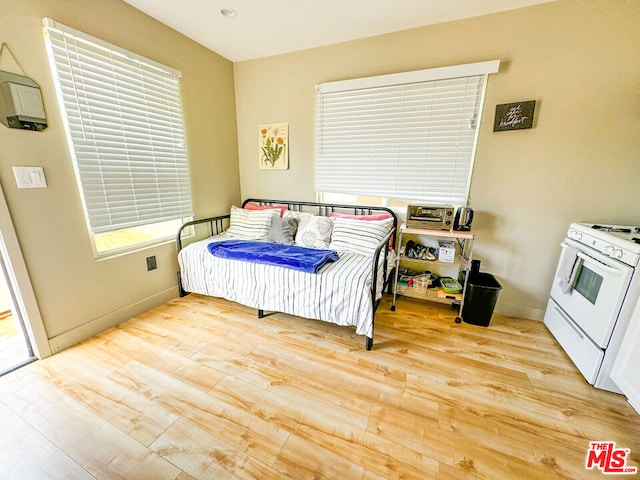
pixel 597 293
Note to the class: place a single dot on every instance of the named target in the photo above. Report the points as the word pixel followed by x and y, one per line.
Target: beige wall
pixel 578 59
pixel 581 161
pixel 78 296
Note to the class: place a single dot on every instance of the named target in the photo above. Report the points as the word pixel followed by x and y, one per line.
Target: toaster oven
pixel 435 217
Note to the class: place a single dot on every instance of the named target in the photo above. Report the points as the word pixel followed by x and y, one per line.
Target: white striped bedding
pixel 340 293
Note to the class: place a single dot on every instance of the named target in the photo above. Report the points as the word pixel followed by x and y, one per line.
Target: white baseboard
pixel 93 327
pixel 515 310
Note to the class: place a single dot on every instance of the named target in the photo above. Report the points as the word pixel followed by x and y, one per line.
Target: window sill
pixel 121 252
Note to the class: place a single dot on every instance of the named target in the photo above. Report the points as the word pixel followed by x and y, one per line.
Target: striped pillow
pixel 250 224
pixel 370 218
pixel 359 236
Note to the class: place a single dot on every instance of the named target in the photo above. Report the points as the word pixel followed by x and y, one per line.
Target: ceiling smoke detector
pixel 229 12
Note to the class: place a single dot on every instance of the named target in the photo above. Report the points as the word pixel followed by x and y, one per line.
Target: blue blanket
pixel 307 260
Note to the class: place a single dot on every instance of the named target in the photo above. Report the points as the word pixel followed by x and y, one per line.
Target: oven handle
pixel 603 266
pixel 569 322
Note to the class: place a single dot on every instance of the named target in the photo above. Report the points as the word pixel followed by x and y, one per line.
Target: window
pixel 123 117
pixel 405 136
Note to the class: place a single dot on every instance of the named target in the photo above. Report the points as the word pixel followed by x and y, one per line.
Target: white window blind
pixel 410 135
pixel 125 128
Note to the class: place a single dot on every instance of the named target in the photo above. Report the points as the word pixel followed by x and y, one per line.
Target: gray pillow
pixel 283 230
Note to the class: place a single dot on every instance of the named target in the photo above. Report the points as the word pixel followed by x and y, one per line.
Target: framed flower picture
pixel 273 146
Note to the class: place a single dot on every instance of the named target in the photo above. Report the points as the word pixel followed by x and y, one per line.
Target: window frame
pixel 354 118
pixel 123 119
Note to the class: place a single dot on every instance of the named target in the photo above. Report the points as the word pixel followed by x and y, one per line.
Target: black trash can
pixel 480 299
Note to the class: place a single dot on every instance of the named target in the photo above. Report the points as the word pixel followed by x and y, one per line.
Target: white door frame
pixel 24 297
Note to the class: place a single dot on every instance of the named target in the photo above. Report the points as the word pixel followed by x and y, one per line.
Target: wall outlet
pixel 151 263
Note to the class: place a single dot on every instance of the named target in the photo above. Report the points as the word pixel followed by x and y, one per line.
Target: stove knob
pixel 608 250
pixel 616 253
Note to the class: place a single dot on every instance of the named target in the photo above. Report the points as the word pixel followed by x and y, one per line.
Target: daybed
pixel 345 291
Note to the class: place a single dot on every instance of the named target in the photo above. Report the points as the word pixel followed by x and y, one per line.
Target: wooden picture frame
pixel 514 116
pixel 273 146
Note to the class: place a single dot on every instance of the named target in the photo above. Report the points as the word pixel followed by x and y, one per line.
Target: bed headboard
pixel 325 209
pixel 216 225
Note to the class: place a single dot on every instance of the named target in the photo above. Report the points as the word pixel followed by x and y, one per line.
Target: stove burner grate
pixel 613 229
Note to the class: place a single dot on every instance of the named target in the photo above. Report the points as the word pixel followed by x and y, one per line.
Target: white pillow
pixel 359 236
pixel 250 224
pixel 314 231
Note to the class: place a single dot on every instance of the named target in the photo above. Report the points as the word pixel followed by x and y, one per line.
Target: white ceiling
pixel 270 27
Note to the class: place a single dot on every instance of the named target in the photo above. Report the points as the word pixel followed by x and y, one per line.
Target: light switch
pixel 30 177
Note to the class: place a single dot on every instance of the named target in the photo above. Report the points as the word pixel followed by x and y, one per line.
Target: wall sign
pixel 273 146
pixel 514 116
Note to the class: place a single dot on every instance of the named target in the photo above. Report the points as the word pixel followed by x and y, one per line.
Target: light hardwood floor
pixel 201 388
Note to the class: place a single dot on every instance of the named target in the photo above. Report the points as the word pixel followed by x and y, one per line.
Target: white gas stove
pixel 593 295
pixel 616 241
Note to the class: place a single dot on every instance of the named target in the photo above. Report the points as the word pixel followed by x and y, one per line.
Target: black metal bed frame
pixel 218 224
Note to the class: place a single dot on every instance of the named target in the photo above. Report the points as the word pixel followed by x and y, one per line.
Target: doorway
pixel 23 337
pixel 15 346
